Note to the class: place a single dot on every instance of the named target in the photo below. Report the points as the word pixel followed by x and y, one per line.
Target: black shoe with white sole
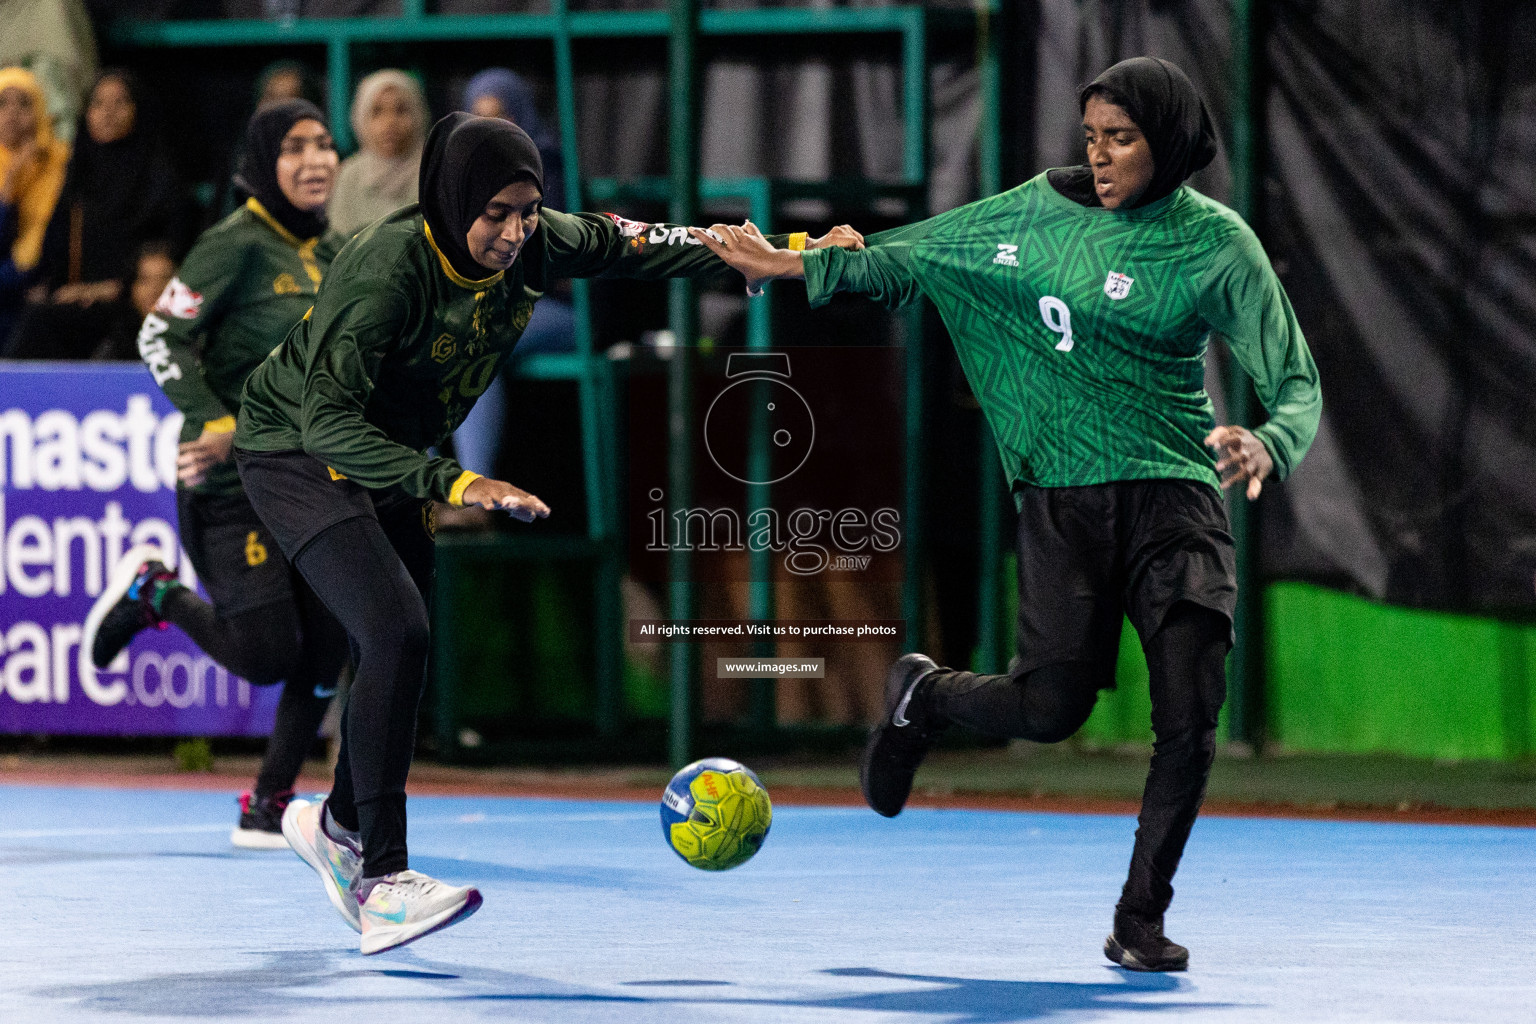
pixel 261 822
pixel 1140 945
pixel 126 604
pixel 898 744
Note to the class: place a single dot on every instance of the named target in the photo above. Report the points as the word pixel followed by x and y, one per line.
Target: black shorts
pixel 1090 557
pixel 299 497
pixel 235 556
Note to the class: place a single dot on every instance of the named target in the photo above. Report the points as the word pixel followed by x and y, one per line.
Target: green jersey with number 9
pixel 1083 331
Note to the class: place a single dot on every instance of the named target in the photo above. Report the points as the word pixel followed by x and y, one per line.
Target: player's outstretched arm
pixel 606 245
pixel 498 494
pixel 841 263
pixel 744 249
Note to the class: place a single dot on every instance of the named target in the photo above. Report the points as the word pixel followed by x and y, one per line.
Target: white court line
pixel 75 833
pixel 458 819
pixel 175 830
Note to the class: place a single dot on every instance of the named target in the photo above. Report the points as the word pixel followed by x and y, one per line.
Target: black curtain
pixel 1398 204
pixel 1399 201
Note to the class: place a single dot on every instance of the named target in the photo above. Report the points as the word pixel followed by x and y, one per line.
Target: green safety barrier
pixel 1345 674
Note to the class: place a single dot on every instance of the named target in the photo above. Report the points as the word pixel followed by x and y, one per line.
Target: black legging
pixel 298 643
pixel 376 576
pixel 1186 659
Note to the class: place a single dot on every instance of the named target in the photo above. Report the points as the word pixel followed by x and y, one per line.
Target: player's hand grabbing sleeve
pixel 604 245
pixel 172 335
pixel 355 329
pixel 1242 299
pixel 881 271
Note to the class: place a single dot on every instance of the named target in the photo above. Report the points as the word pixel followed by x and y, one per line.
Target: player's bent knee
pixel 1057 729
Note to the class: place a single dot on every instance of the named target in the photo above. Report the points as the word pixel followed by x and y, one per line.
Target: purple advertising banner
pixel 87 469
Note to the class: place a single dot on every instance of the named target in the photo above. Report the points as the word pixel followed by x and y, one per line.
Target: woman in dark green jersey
pixel 1080 305
pixel 415 318
pixel 248 280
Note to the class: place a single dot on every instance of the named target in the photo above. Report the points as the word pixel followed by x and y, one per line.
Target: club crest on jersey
pixel 179 301
pixel 1117 286
pixel 1007 255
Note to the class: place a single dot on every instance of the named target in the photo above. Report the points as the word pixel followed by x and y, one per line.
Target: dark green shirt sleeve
pixel 1243 300
pixel 171 337
pixel 352 327
pixel 881 271
pixel 603 245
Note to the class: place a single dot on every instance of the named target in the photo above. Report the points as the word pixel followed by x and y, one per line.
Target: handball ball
pixel 715 814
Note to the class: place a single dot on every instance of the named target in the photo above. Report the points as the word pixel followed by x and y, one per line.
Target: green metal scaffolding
pixel 682 25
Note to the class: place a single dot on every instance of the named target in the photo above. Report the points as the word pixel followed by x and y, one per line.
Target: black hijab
pixel 116 195
pixel 467 160
pixel 258 165
pixel 1168 109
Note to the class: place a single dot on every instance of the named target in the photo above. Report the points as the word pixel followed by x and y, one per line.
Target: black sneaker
pixel 261 822
pixel 898 744
pixel 124 606
pixel 1140 945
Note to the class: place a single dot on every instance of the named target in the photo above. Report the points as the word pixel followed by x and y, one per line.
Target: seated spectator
pixel 154 269
pixel 119 192
pixel 32 165
pixel 389 118
pixel 53 40
pixel 503 93
pixel 284 80
pixel 499 92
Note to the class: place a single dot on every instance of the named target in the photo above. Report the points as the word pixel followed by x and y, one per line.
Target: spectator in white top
pixel 389 119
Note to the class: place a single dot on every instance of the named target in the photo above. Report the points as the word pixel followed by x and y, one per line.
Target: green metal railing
pixel 682 24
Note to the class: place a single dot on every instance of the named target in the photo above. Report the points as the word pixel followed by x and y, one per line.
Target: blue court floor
pixel 130 906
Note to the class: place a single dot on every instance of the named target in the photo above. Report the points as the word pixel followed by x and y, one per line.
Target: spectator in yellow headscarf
pixel 32 164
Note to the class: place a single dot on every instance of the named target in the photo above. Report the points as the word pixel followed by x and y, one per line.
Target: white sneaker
pixel 339 865
pixel 406 905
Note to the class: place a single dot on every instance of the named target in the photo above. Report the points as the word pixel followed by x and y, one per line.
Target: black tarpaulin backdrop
pixel 1398 203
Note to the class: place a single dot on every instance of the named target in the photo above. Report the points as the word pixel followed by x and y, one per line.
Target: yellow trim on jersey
pixel 453 275
pixel 456 494
pixel 335 475
pixel 797 240
pixel 282 232
pixel 222 425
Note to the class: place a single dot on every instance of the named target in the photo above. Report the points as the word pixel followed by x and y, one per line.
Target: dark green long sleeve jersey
pixel 399 345
pixel 1083 331
pixel 245 283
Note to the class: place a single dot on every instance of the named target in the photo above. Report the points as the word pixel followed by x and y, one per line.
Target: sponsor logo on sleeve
pixel 1007 255
pixel 662 234
pixel 179 301
pixel 628 228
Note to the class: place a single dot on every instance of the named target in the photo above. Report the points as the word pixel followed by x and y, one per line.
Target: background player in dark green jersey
pixel 415 318
pixel 1080 305
pixel 248 280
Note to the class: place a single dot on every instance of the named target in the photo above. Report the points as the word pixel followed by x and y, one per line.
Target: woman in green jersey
pixel 248 280
pixel 1080 304
pixel 415 318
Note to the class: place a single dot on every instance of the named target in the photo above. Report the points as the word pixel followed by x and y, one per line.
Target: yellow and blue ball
pixel 715 814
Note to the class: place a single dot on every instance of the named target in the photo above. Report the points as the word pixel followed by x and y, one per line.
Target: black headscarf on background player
pixel 467 160
pixel 257 176
pixel 1168 109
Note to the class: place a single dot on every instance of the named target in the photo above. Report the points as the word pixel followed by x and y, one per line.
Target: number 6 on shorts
pixel 1057 317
